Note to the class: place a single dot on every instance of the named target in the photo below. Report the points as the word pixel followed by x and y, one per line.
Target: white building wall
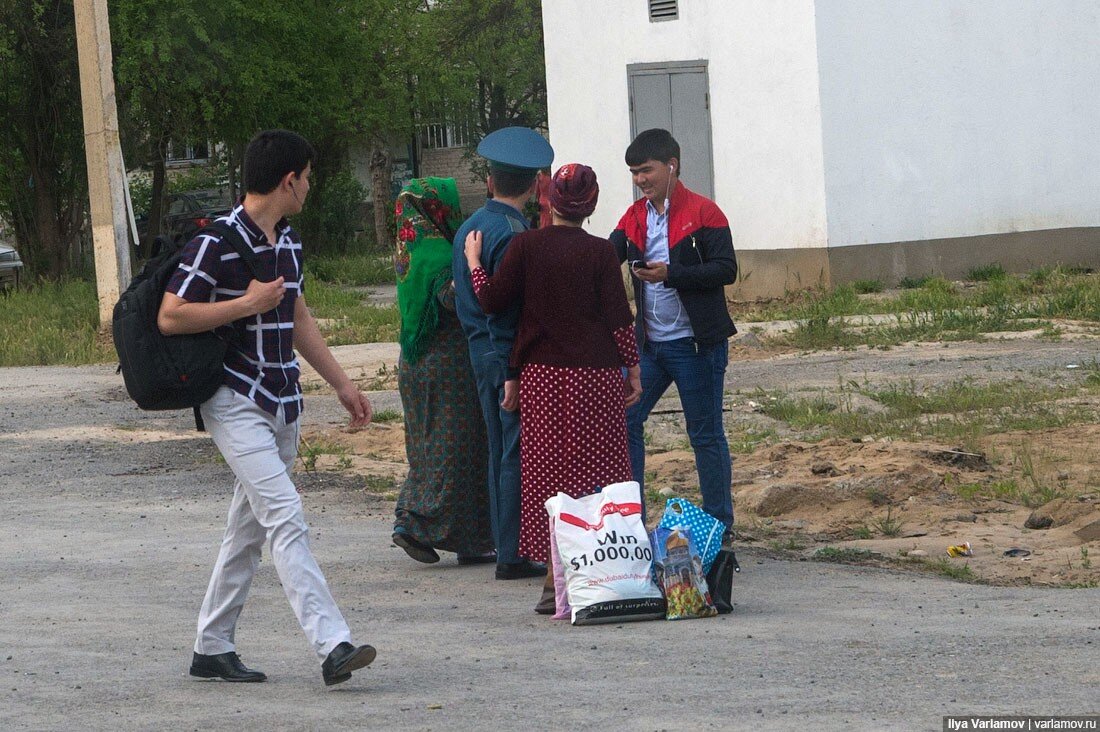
pixel 948 118
pixel 765 116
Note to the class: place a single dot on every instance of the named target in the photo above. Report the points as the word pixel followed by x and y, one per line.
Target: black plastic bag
pixel 720 580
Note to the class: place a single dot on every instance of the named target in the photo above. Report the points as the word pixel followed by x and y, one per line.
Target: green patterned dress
pixel 444 502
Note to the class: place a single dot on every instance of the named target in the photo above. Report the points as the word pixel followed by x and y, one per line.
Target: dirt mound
pixel 903 500
pixel 898 498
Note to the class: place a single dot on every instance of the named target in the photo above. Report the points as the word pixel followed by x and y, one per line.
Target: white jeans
pixel 261 450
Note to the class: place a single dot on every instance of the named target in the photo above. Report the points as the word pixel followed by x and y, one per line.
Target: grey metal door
pixel 675 97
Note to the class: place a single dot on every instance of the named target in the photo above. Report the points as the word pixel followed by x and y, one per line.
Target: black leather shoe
pixel 486 558
pixel 344 659
pixel 224 666
pixel 520 570
pixel 416 549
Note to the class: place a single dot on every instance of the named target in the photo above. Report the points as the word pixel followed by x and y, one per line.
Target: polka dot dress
pixel 572 440
pixel 572 431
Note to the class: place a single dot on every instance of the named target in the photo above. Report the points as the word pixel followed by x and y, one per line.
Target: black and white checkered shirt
pixel 260 363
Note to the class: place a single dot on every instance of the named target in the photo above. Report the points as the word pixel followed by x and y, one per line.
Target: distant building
pixel 847 139
pixel 436 151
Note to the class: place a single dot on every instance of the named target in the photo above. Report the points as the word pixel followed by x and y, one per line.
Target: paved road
pixel 107 537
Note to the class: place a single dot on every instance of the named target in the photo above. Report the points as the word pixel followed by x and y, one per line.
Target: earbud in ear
pixel 672 168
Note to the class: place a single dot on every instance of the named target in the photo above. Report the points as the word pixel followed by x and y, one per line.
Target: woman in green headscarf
pixel 444 503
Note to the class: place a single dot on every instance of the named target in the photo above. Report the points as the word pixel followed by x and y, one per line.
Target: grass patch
pixel 380 484
pixel 835 554
pixel 986 273
pixel 790 544
pixel 932 308
pixel 819 319
pixel 961 412
pixel 950 569
pixel 387 415
pixel 352 321
pixel 1076 300
pixel 888 525
pixel 310 450
pixel 353 270
pixel 866 287
pixel 913 283
pixel 1000 490
pixel 1092 375
pixel 862 532
pixel 746 441
pixel 1039 492
pixel 965 395
pixel 52 323
pixel 800 413
pixel 57 323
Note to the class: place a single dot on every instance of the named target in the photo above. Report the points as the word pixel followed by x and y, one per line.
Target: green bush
pixel 333 215
pixel 198 178
pixel 141 194
pixel 864 287
pixel 913 283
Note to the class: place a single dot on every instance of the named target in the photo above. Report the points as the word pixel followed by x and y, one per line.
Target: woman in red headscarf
pixel 575 335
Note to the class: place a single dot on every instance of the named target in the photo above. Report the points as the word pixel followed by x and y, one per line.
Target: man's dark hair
pixel 510 184
pixel 272 154
pixel 655 144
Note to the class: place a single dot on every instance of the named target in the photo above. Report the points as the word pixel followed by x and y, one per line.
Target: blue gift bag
pixel 706 530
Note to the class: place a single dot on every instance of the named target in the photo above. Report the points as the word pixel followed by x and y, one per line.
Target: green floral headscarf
pixel 428 214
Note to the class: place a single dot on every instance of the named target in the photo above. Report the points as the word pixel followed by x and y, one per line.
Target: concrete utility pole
pixel 106 174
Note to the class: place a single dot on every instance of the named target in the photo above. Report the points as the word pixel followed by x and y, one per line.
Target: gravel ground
pixel 111 520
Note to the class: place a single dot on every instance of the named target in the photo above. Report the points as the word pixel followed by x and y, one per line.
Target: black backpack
pixel 178 371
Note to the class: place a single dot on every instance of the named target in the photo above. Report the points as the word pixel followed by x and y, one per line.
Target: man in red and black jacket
pixel 680 251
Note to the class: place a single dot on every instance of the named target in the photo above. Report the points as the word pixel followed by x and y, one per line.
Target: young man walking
pixel 253 417
pixel 680 251
pixel 515 155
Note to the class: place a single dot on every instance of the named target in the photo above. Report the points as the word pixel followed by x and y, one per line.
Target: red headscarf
pixel 574 191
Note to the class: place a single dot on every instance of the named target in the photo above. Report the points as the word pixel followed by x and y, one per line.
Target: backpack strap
pixel 233 238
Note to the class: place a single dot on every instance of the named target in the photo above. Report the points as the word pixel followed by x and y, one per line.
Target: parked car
pixel 184 214
pixel 11 267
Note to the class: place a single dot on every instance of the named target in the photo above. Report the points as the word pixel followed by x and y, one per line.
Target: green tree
pixel 164 71
pixel 493 55
pixel 43 183
pixel 337 71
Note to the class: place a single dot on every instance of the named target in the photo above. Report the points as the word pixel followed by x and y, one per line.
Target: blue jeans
pixel 699 375
pixel 502 430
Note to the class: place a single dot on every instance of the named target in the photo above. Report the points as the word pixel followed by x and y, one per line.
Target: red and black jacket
pixel 702 262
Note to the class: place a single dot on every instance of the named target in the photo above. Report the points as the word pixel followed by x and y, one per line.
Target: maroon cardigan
pixel 573 299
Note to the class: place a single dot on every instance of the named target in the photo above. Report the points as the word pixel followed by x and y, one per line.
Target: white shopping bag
pixel 605 551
